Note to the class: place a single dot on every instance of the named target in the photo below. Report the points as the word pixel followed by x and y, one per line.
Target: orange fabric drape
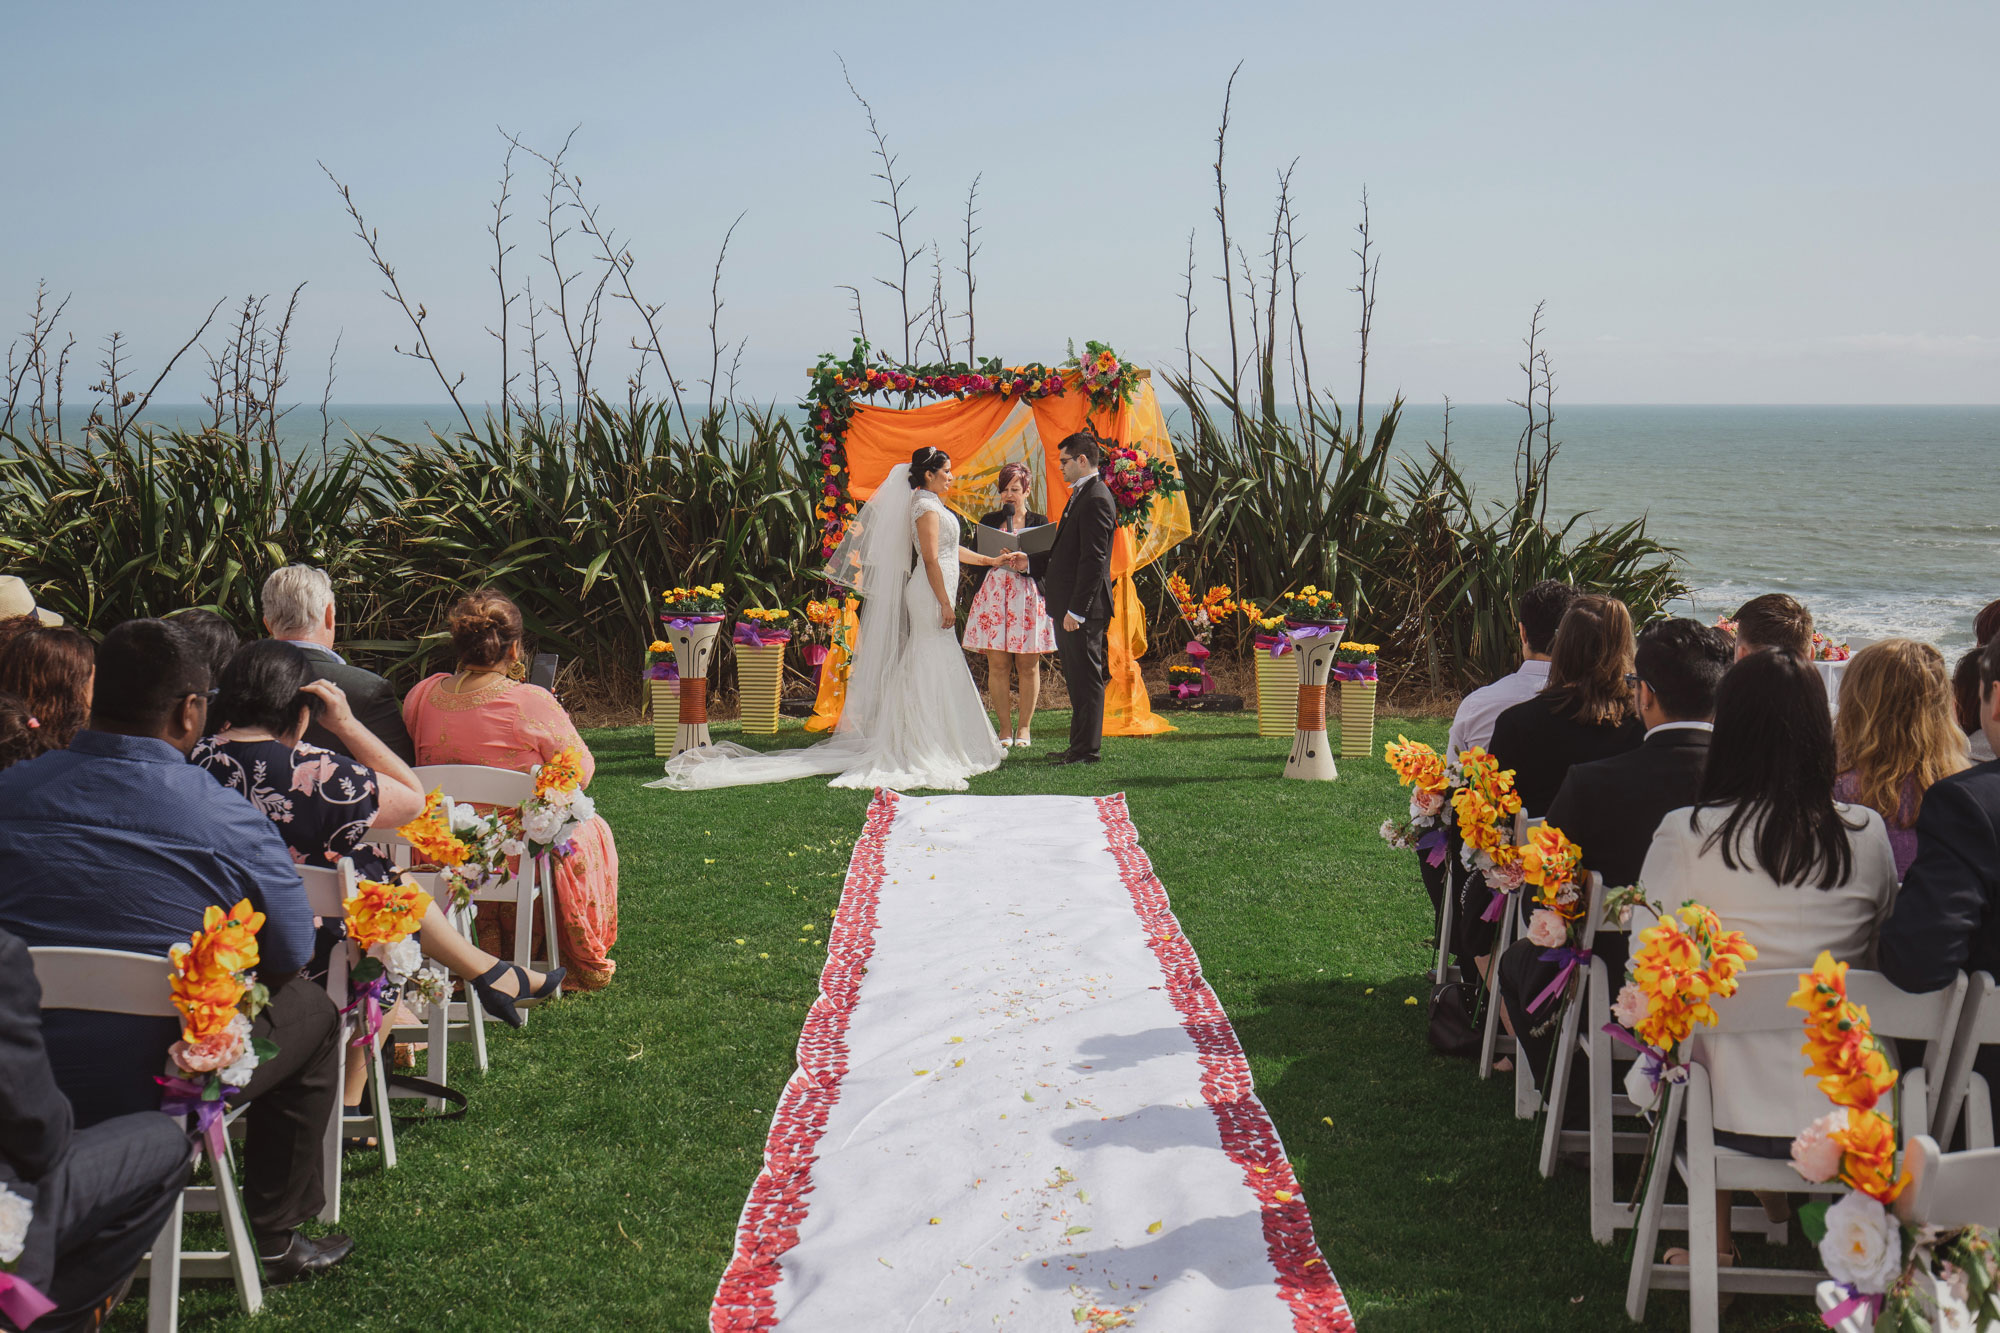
pixel 832 695
pixel 981 433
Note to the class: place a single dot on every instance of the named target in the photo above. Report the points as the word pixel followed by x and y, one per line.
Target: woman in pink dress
pixel 1008 620
pixel 479 715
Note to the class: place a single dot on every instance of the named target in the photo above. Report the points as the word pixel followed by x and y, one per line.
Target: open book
pixel 992 541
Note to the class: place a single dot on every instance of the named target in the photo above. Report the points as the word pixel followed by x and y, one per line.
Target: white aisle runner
pixel 1018 1105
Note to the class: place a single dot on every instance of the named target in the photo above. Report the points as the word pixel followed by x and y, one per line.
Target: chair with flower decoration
pixel 533 881
pixel 111 981
pixel 1947 1190
pixel 1762 1003
pixel 327 890
pixel 1494 1043
pixel 461 1021
pixel 1962 1091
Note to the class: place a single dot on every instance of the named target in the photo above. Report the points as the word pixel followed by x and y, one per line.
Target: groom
pixel 1076 580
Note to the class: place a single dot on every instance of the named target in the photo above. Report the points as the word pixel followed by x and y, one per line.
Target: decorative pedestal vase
pixel 694 647
pixel 1277 691
pixel 1357 719
pixel 665 696
pixel 760 674
pixel 1314 647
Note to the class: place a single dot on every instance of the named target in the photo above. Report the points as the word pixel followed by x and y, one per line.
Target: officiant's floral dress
pixel 510 725
pixel 1008 614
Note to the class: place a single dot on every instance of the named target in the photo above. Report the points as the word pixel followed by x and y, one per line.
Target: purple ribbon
pixel 1356 671
pixel 179 1096
pixel 750 636
pixel 1433 843
pixel 1198 652
pixel 1870 1300
pixel 663 671
pixel 1277 644
pixel 689 622
pixel 1571 959
pixel 1654 1063
pixel 21 1302
pixel 1494 908
pixel 1184 692
pixel 368 999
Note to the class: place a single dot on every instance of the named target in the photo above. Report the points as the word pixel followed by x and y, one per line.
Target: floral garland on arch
pixel 830 403
pixel 1908 1278
pixel 1109 381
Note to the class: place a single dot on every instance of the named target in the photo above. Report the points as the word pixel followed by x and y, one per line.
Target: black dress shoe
pixel 1067 758
pixel 300 1256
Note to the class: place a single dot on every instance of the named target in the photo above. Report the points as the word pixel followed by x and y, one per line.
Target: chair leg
pixel 1704 1293
pixel 1978 1113
pixel 437 1065
pixel 1490 1043
pixel 162 1271
pixel 1646 1225
pixel 1556 1095
pixel 330 1153
pixel 524 917
pixel 242 1249
pixel 1526 1100
pixel 1444 931
pixel 385 1124
pixel 551 919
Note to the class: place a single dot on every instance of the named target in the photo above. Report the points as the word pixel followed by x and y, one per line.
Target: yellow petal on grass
pixel 1369 991
pixel 739 941
pixel 1326 1120
pixel 763 955
pixel 1411 1000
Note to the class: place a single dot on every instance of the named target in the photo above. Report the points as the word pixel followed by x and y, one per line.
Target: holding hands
pixel 1016 561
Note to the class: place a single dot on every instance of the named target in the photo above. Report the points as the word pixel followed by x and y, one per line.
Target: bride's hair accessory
pixel 923 462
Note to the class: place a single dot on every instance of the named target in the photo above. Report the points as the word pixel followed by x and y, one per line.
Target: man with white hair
pixel 298 608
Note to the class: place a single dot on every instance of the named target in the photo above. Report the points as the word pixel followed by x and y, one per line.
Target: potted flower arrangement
pixel 1354 674
pixel 1313 627
pixel 760 639
pixel 663 692
pixel 693 617
pixel 1185 680
pixel 1277 669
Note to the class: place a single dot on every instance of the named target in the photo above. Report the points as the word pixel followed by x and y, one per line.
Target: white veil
pixel 874 558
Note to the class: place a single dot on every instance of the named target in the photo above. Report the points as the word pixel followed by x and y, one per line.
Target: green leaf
pixel 1812 1220
pixel 263 1047
pixel 366 970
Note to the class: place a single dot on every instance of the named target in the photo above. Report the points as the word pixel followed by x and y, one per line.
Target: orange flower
pixel 1549 861
pixel 430 834
pixel 564 772
pixel 1869 1165
pixel 385 913
pixel 1415 763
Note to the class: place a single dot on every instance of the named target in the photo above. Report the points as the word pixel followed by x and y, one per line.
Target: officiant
pixel 1009 621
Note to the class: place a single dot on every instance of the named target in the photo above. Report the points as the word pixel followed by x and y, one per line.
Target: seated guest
pixel 1772 854
pixel 1895 735
pixel 298 608
pixel 1965 708
pixel 478 715
pixel 1611 807
pixel 1774 621
pixel 17 731
pixel 1583 713
pixel 51 670
pixel 1947 917
pixel 17 602
pixel 1986 625
pixel 215 638
pixel 119 843
pixel 323 803
pixel 100 1195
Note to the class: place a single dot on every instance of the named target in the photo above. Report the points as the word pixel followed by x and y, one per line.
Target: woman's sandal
pixel 505 1007
pixel 1022 741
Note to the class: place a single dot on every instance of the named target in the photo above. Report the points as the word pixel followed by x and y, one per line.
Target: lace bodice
pixel 927 502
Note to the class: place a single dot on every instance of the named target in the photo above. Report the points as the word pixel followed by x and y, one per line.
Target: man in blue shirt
pixel 119 843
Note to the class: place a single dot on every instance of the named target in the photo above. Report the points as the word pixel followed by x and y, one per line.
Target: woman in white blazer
pixel 1773 855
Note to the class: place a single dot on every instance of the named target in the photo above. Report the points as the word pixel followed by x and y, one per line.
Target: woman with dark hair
pixel 1965 707
pixel 1584 713
pixel 1771 853
pixel 324 803
pixel 483 714
pixel 53 669
pixel 17 730
pixel 1008 621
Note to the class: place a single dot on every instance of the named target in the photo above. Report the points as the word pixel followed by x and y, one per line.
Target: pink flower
pixel 218 1050
pixel 307 777
pixel 1547 930
pixel 1815 1155
pixel 1425 804
pixel 1631 1005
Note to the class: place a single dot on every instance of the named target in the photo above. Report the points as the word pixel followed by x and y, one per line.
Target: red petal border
pixel 1248 1136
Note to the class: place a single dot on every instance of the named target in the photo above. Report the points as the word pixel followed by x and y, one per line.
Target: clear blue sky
pixel 1721 203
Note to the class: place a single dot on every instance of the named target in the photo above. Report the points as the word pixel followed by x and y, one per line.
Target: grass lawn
pixel 597 1180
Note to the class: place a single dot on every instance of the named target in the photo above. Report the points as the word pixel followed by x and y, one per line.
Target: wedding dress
pixel 913 717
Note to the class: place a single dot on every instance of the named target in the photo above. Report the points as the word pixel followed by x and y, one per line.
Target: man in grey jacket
pixel 298 608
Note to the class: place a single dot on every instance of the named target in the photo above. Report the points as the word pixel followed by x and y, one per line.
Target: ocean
pixel 1884 521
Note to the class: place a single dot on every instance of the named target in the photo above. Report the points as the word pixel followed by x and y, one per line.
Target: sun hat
pixel 16 600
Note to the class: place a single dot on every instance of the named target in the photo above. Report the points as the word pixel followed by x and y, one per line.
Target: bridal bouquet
pixel 1109 381
pixel 215 988
pixel 551 817
pixel 1906 1277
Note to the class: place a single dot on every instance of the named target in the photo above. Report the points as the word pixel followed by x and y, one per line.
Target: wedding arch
pixel 984 418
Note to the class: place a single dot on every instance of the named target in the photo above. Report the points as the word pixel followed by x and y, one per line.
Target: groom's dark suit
pixel 1075 574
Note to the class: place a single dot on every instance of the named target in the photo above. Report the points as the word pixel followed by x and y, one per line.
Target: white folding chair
pixel 1495 1043
pixel 111 981
pixel 327 890
pixel 1946 1190
pixel 456 1020
pixel 1761 1004
pixel 473 784
pixel 1962 1090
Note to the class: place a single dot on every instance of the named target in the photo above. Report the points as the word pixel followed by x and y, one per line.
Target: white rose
pixel 238 1074
pixel 582 809
pixel 1863 1246
pixel 1547 929
pixel 542 825
pixel 1815 1155
pixel 401 959
pixel 513 847
pixel 15 1215
pixel 239 1023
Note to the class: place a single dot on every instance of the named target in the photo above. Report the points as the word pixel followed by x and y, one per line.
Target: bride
pixel 912 717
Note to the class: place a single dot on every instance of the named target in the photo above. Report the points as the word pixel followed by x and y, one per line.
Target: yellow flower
pixel 385 913
pixel 659 646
